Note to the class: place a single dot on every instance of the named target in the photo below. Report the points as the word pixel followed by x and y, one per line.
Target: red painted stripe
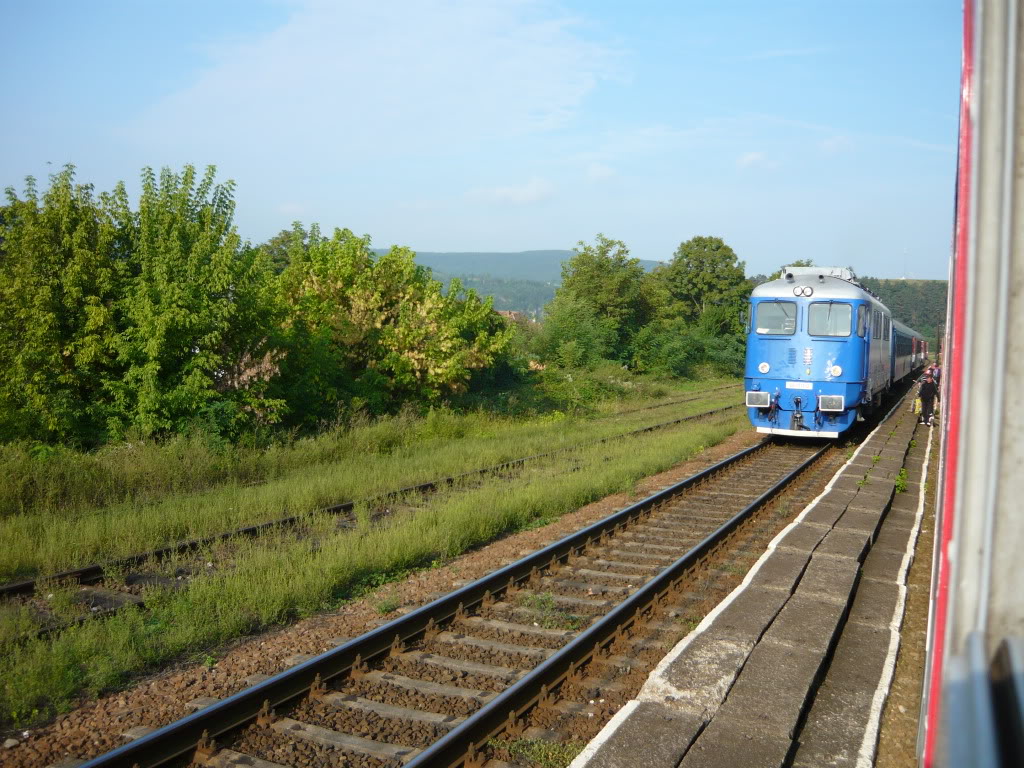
pixel 954 367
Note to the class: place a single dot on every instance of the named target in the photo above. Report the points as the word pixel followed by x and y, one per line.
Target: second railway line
pixel 101 589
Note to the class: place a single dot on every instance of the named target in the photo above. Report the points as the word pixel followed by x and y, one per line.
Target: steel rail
pixel 185 735
pixel 453 748
pixel 674 402
pixel 90 574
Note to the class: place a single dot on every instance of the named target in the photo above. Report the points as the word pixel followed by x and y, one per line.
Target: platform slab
pixel 773 689
pixel 845 543
pixel 807 622
pixel 652 735
pixel 804 536
pixel 781 570
pixel 830 578
pixel 835 724
pixel 727 743
pixel 825 512
pixel 875 602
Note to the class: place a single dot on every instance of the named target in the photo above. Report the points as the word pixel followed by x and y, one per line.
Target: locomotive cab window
pixel 776 317
pixel 862 320
pixel 829 318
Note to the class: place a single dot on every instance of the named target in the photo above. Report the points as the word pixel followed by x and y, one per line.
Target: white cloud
pixel 755 160
pixel 354 80
pixel 835 144
pixel 533 191
pixel 599 172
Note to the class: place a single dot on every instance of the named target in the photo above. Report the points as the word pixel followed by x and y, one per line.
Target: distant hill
pixel 526 281
pixel 529 296
pixel 538 266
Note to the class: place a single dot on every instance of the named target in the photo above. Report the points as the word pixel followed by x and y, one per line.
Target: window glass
pixel 829 318
pixel 776 317
pixel 876 324
pixel 862 320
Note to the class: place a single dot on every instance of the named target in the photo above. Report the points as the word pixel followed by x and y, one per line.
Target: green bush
pixel 573 335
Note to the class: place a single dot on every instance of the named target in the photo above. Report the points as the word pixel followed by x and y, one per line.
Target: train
pixel 822 350
pixel 972 710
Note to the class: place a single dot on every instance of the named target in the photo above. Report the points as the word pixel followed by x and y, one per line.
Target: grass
pixel 547 754
pixel 278 578
pixel 901 480
pixel 387 605
pixel 49 541
pixel 689 623
pixel 550 617
pixel 42 478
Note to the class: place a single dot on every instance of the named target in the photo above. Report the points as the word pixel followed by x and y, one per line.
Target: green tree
pixel 796 263
pixel 573 335
pixel 376 332
pixel 604 276
pixel 197 313
pixel 60 275
pixel 704 279
pixel 279 249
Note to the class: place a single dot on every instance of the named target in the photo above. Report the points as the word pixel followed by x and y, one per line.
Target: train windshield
pixel 776 317
pixel 829 318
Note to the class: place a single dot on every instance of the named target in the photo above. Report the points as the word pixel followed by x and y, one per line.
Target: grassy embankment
pixel 417 450
pixel 42 478
pixel 278 578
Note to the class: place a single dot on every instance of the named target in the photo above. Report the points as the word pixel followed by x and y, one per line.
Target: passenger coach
pixel 821 351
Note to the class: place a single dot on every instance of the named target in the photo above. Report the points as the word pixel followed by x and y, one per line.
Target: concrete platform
pixel 793 667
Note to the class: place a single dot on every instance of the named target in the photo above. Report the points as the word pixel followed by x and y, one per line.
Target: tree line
pixel 124 319
pixel 682 315
pixel 121 320
pixel 921 304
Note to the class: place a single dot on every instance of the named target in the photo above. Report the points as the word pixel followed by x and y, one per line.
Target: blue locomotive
pixel 821 352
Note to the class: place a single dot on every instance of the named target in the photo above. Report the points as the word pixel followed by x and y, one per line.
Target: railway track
pixel 99 595
pixel 543 649
pixel 678 401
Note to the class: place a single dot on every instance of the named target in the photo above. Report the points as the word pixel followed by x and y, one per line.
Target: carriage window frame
pixel 764 330
pixel 862 320
pixel 840 305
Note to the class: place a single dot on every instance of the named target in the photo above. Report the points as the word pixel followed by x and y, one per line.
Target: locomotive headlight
pixel 836 371
pixel 764 367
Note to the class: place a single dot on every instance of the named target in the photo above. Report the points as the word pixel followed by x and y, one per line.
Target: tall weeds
pixel 39 478
pixel 419 450
pixel 279 578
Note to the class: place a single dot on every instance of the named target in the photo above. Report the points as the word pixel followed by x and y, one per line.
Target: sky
pixel 818 129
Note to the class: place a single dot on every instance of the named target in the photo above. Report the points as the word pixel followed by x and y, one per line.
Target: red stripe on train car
pixel 954 366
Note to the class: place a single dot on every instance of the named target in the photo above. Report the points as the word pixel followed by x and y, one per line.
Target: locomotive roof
pixel 828 283
pixel 825 286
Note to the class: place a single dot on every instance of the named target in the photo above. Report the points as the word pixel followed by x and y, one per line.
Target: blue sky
pixel 822 130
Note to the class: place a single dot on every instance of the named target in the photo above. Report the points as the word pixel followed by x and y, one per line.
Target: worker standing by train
pixel 927 393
